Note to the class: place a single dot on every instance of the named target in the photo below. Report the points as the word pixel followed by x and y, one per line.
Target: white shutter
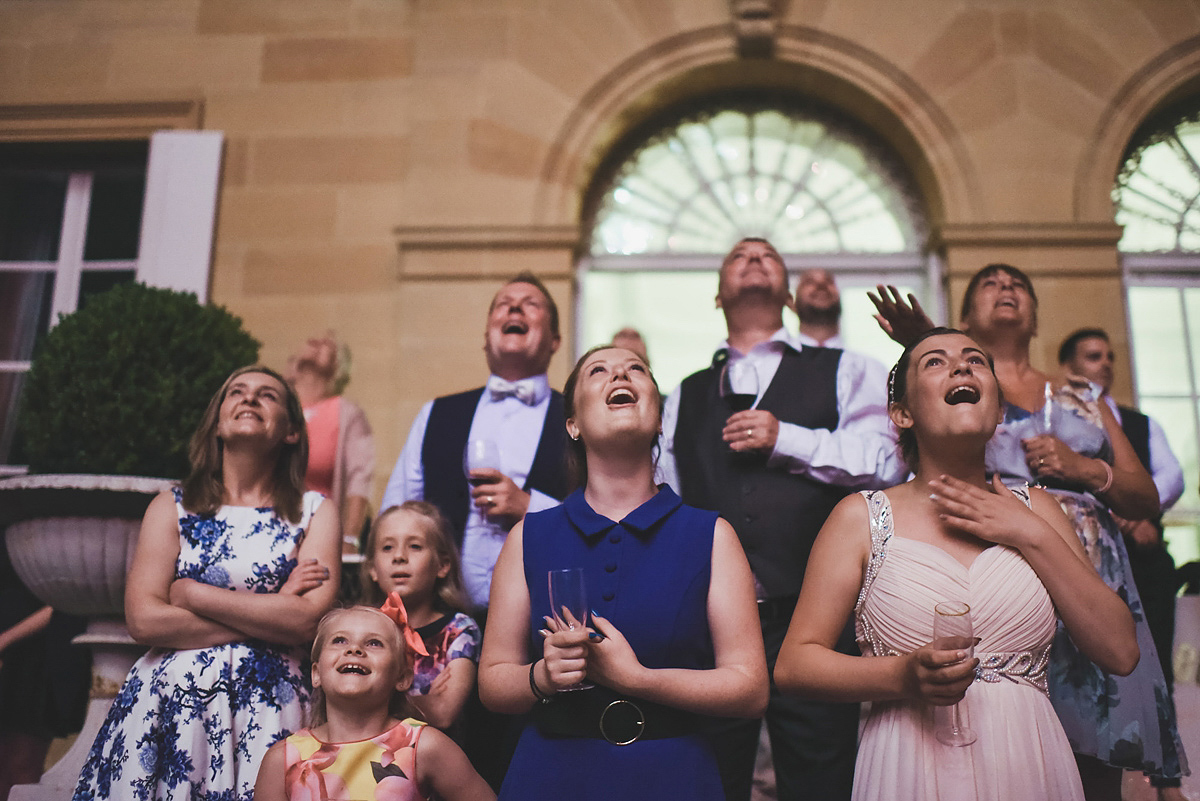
pixel 179 212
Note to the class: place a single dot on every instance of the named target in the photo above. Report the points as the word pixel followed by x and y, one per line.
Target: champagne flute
pixel 481 454
pixel 568 596
pixel 952 631
pixel 1043 423
pixel 739 385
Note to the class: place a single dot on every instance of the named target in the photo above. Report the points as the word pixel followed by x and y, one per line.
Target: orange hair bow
pixel 393 607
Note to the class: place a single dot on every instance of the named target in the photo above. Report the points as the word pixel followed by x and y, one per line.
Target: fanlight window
pixel 1158 190
pixel 809 184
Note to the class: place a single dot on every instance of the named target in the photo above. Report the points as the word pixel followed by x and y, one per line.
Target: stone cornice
pixel 104 120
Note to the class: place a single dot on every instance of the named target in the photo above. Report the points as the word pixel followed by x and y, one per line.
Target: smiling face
pixel 613 395
pixel 753 269
pixel 255 406
pixel 359 657
pixel 404 560
pixel 949 390
pixel 520 338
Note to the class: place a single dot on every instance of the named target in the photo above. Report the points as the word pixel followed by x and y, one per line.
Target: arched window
pixel 671 204
pixel 1156 196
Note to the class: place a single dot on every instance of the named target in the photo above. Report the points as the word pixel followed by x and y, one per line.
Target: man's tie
pixel 523 390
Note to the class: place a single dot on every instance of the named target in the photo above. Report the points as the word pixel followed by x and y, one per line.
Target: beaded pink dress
pixel 1022 751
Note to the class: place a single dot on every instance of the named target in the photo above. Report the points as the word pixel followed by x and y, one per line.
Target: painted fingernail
pixel 595 636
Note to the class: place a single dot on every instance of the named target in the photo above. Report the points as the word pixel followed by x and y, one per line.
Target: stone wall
pixel 389 161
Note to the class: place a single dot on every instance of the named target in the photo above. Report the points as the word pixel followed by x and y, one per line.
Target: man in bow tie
pixel 524 418
pixel 517 411
pixel 812 428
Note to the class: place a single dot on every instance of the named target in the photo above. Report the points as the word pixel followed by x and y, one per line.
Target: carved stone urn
pixel 71 540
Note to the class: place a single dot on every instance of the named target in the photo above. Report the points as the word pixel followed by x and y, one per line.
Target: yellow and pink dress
pixel 383 768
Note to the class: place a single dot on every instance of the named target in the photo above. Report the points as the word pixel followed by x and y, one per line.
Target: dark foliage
pixel 119 386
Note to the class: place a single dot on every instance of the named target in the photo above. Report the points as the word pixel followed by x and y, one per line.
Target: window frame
pixel 176 233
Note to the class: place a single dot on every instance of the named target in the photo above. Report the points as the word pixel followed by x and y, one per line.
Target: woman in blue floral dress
pixel 231 574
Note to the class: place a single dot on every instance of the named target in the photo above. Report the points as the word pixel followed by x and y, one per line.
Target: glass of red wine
pixel 480 454
pixel 739 385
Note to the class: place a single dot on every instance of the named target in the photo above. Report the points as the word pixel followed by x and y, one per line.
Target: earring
pixel 575 438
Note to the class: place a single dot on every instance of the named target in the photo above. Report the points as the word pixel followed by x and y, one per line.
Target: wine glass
pixel 480 454
pixel 568 596
pixel 952 631
pixel 739 385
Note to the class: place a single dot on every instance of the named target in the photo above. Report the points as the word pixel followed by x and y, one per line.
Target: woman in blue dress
pixel 673 637
pixel 230 576
pixel 1064 440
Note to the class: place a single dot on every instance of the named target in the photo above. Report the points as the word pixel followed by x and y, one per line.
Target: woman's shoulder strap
pixel 1022 492
pixel 880 510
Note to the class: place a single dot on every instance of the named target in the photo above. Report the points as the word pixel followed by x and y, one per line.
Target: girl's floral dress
pixel 383 768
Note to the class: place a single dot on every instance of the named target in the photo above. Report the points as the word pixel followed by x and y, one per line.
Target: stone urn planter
pixel 71 540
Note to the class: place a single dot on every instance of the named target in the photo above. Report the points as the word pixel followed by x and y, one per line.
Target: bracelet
pixel 1108 480
pixel 537 692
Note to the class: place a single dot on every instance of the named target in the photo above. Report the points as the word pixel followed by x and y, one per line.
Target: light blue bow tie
pixel 523 390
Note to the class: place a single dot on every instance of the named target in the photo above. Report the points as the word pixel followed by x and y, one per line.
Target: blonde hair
pixel 398 705
pixel 449 595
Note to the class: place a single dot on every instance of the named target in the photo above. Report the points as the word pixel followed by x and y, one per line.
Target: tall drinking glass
pixel 569 606
pixel 481 454
pixel 952 631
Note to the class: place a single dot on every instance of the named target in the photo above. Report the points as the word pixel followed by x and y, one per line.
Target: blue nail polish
pixel 595 613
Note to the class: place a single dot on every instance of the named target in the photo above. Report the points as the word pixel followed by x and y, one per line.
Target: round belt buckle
pixel 619 718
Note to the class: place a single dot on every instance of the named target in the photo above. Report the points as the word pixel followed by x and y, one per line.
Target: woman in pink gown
pixel 950 535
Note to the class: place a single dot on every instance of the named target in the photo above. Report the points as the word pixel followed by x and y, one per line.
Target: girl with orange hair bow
pixel 359 744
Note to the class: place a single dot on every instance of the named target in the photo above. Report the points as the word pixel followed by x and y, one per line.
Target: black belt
pixel 603 714
pixel 779 607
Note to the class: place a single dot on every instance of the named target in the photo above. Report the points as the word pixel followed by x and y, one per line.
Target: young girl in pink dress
pixel 359 745
pixel 950 535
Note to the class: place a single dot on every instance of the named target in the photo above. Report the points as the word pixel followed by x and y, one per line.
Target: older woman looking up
pixel 341 449
pixel 1064 439
pixel 674 629
pixel 949 534
pixel 231 574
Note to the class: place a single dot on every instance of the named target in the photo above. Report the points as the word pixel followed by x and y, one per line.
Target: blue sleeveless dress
pixel 1124 721
pixel 649 575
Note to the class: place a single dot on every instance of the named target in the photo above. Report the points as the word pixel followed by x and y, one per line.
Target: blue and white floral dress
pixel 195 724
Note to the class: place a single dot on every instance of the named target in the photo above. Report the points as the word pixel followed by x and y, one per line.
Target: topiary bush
pixel 119 386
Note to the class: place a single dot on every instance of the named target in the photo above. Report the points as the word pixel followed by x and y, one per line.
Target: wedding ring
pixel 749 433
pixel 489 500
